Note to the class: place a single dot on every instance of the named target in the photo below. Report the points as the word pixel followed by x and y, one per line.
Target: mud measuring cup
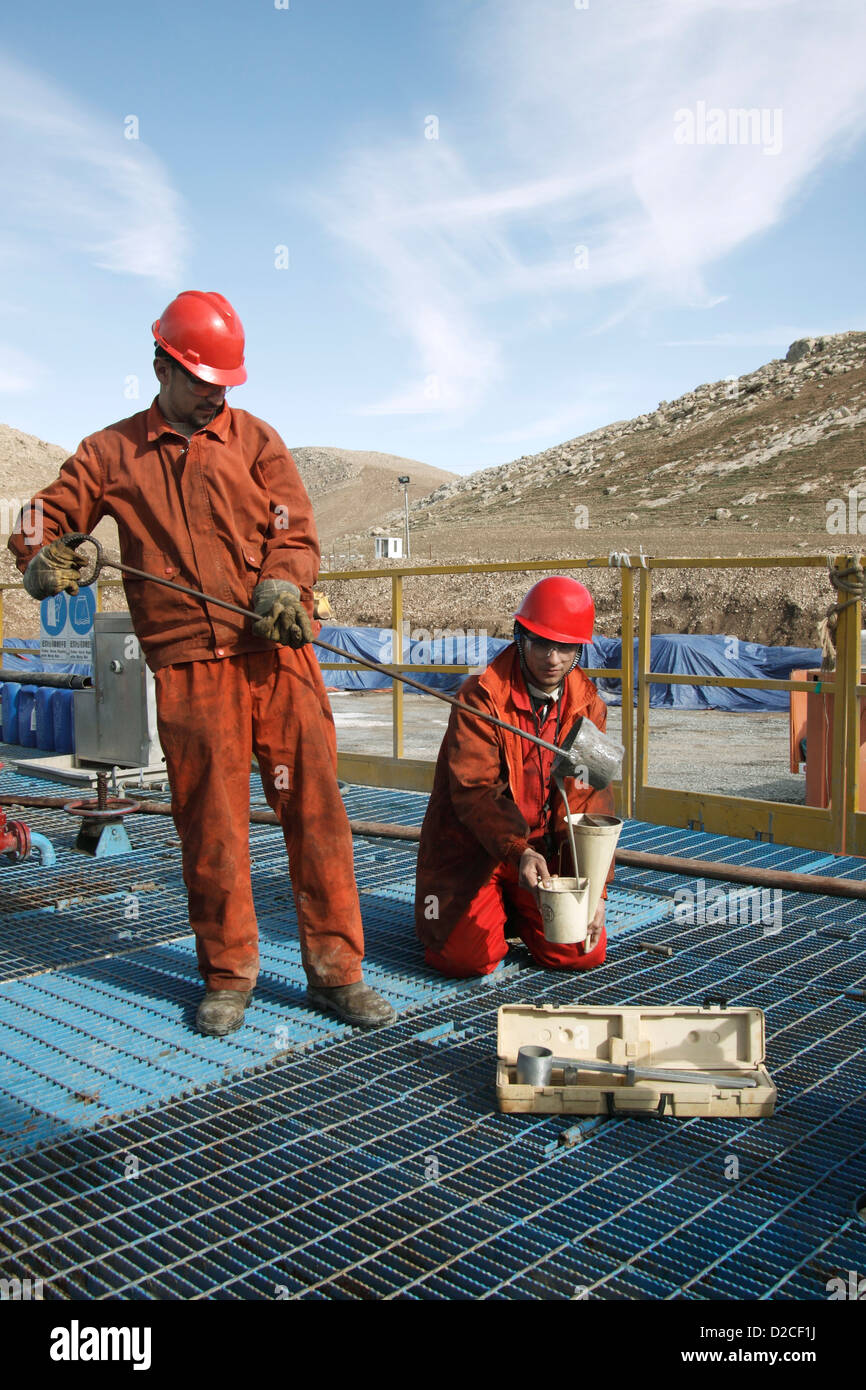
pixel 563 907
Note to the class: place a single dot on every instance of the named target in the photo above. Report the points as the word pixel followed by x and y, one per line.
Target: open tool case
pixel 712 1039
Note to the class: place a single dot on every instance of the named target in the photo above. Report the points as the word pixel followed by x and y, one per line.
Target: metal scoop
pixel 587 753
pixel 535 1066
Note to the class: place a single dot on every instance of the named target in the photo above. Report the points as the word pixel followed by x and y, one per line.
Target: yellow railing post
pixel 857 835
pixel 627 687
pixel 643 685
pixel 396 686
pixel 840 764
pixel 846 717
pixel 851 648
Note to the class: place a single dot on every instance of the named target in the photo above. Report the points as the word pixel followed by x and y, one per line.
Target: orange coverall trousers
pixel 212 715
pixel 502 907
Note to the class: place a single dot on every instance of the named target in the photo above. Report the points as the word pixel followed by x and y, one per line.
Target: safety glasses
pixel 544 644
pixel 201 388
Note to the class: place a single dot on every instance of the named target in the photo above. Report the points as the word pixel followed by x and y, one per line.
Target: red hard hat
pixel 201 330
pixel 560 609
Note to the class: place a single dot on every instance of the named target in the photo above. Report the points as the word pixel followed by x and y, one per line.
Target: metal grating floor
pixel 102 985
pixel 300 1159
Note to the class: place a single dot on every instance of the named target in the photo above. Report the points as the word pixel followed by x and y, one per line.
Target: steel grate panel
pixel 111 1032
pixel 570 1219
pixel 314 1173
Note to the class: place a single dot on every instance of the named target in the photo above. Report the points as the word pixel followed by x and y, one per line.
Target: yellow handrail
pixel 837 829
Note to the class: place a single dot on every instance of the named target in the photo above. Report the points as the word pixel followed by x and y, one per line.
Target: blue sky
pixel 589 232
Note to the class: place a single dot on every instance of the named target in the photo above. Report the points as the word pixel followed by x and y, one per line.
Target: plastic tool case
pixel 712 1038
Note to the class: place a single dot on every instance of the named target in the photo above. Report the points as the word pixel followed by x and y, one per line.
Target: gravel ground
pixel 700 750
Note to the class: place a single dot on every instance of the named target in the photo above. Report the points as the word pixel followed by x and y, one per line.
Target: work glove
pixel 53 568
pixel 282 616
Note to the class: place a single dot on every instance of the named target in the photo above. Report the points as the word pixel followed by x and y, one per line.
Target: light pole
pixel 404 480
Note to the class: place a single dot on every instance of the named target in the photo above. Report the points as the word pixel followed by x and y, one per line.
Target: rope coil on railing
pixel 851 581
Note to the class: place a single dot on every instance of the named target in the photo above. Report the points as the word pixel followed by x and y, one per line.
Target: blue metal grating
pixel 97 1015
pixel 362 1166
pixel 377 1167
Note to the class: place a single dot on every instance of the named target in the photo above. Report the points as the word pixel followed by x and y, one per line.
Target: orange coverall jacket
pixel 220 519
pixel 473 822
pixel 221 511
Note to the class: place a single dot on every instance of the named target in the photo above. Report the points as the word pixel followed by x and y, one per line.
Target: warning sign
pixel 65 626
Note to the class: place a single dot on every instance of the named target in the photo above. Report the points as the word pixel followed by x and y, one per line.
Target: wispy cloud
pixel 18 372
pixel 72 182
pixel 425 274
pixel 555 427
pixel 573 114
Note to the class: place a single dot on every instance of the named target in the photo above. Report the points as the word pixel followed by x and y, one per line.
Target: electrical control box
pixel 115 721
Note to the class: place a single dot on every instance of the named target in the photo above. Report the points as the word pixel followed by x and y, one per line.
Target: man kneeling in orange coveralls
pixel 495 821
pixel 210 497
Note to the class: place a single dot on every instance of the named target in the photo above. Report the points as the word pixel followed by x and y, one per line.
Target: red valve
pixel 14 838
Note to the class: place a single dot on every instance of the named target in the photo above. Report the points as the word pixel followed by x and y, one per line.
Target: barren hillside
pixel 746 466
pixel 349 486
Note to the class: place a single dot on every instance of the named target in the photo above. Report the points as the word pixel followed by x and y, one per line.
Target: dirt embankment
pixel 776 607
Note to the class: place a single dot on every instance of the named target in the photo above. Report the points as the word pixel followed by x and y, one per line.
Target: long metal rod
pixel 628 858
pixel 328 646
pixel 699 1078
pixel 737 873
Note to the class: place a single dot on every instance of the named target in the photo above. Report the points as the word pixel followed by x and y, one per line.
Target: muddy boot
pixel 222 1011
pixel 357 1004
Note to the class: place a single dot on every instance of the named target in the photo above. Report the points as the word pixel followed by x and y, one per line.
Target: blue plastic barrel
pixel 10 696
pixel 27 716
pixel 45 718
pixel 61 709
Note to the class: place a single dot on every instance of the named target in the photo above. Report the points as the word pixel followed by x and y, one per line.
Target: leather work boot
pixel 222 1011
pixel 357 1004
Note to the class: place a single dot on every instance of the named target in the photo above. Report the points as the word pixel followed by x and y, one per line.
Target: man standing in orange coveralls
pixel 495 821
pixel 210 497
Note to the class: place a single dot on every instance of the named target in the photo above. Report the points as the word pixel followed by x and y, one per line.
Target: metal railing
pixel 416 774
pixel 839 828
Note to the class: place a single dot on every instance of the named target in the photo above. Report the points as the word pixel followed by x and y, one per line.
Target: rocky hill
pixel 745 466
pixel 749 451
pixel 350 485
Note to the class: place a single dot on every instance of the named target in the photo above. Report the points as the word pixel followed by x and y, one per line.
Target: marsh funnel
pixel 595 839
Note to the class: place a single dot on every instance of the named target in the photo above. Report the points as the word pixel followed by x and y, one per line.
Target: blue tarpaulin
pixel 695 654
pixel 377 644
pixel 35 663
pixel 690 654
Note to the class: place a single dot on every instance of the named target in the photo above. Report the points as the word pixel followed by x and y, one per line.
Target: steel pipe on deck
pixel 628 858
pixel 58 681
